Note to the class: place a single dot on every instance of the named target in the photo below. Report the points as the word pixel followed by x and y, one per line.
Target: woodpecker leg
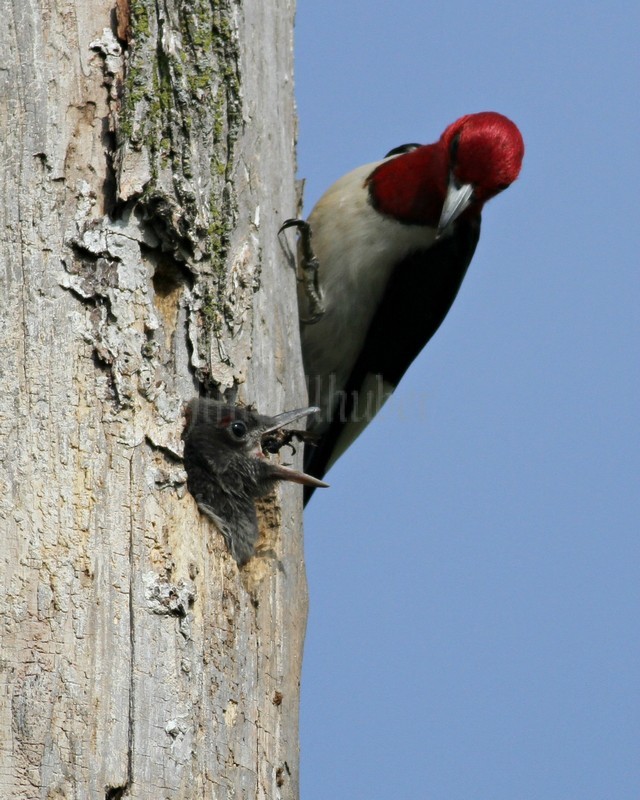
pixel 309 266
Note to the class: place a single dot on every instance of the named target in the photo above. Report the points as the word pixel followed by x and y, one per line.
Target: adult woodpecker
pixel 382 257
pixel 224 457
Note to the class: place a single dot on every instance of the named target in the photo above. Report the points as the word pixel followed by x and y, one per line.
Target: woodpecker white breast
pixel 358 249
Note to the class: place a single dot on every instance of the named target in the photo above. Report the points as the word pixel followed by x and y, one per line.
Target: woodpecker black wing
pixel 417 299
pixel 402 149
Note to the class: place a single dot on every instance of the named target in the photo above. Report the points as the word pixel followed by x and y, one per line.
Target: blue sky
pixel 475 568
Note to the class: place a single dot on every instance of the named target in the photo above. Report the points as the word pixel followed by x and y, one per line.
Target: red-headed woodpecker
pixel 382 257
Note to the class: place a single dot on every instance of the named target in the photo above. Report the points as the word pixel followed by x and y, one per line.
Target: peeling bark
pixel 147 156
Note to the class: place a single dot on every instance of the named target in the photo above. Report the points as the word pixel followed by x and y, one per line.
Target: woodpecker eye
pixel 238 429
pixel 453 148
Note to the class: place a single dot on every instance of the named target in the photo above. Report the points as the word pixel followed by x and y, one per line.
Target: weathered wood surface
pixel 144 176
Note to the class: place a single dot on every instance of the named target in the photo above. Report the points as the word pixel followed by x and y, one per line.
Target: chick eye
pixel 238 429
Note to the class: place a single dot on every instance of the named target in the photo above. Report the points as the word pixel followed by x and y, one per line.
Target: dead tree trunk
pixel 147 160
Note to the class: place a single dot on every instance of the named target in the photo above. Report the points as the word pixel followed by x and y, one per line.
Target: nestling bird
pixel 382 257
pixel 227 469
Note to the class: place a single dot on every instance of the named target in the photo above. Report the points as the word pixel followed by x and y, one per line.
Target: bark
pixel 147 161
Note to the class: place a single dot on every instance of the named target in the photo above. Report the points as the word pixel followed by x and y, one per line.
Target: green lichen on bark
pixel 181 103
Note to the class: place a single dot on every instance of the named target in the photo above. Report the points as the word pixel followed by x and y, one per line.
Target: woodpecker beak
pixel 286 473
pixel 458 199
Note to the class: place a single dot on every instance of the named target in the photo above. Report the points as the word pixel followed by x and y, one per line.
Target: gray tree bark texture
pixel 147 161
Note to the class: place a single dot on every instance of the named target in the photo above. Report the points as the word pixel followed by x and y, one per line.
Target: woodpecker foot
pixel 309 266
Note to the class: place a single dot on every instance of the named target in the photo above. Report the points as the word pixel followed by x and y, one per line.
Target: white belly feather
pixel 357 249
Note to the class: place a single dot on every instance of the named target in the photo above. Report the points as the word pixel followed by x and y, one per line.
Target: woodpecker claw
pixel 291 223
pixel 309 266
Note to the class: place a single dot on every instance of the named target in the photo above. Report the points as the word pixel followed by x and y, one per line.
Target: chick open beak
pixel 286 473
pixel 287 417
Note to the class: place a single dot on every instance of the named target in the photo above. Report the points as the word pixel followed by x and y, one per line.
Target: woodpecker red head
pixel 224 457
pixel 382 257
